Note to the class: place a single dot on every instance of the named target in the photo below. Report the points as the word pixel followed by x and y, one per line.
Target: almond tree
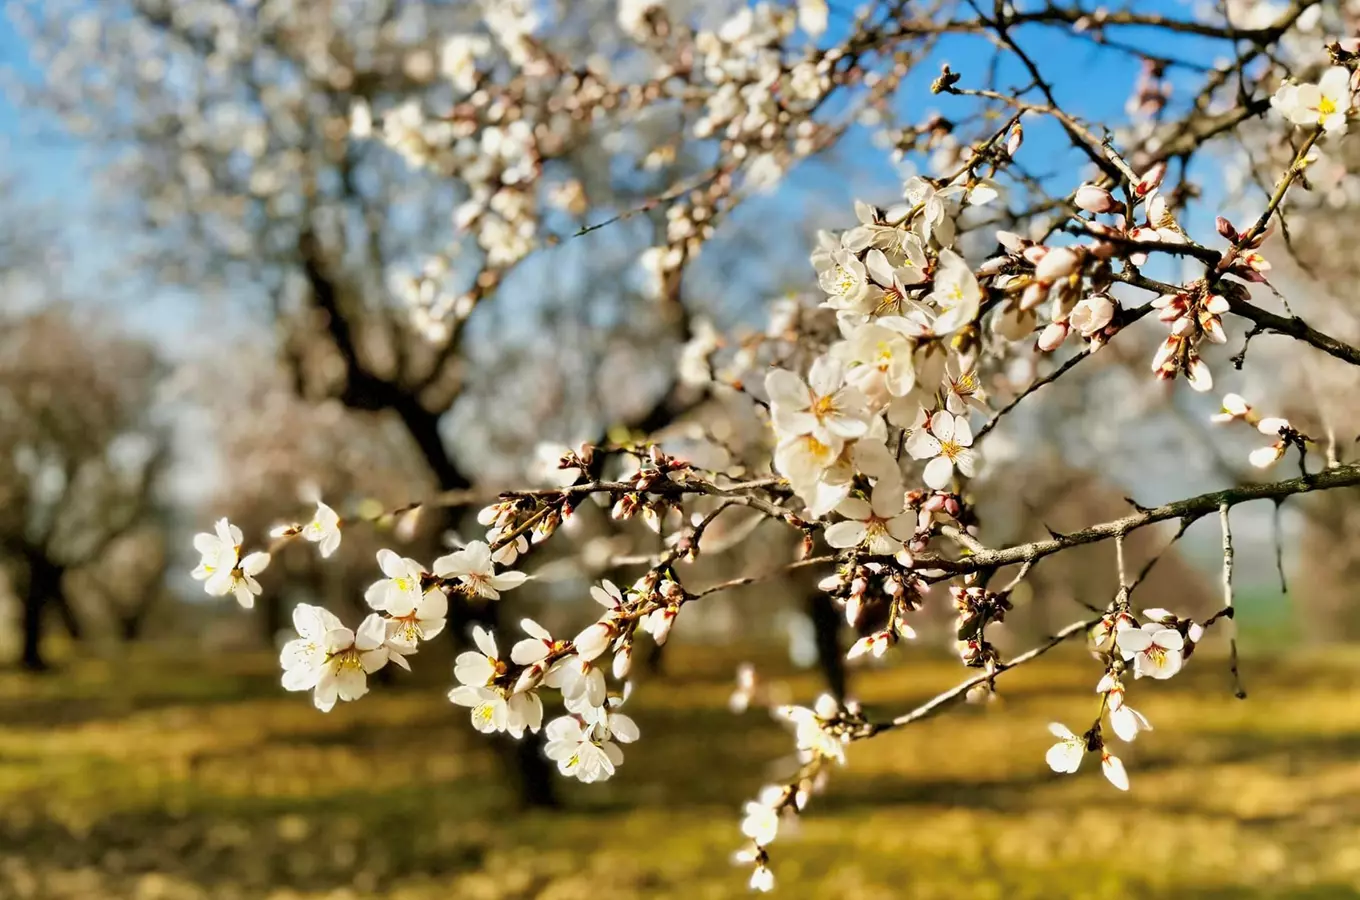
pixel 81 454
pixel 879 393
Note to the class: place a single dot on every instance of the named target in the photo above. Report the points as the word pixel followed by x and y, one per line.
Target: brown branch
pixel 939 701
pixel 1189 509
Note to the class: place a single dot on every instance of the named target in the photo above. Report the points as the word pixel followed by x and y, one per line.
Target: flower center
pixel 408 628
pixel 1326 106
pixel 816 449
pixel 967 384
pixel 951 450
pixel 845 281
pixel 891 303
pixel 824 406
pixel 346 659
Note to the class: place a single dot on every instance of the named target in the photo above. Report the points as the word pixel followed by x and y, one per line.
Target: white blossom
pixel 401 591
pixel 422 622
pixel 473 567
pixel 761 820
pixel 323 530
pixel 934 220
pixel 881 524
pixel 963 389
pixel 812 15
pixel 458 59
pixel 844 277
pixel 880 355
pixel 1156 650
pixel 578 752
pixel 956 294
pixel 946 444
pixel 810 731
pixel 303 657
pixel 331 660
pixel 1124 720
pixel 222 570
pixel 823 406
pixel 582 684
pixel 1066 755
pixel 1326 104
pixel 536 647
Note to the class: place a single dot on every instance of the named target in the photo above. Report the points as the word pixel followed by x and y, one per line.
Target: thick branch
pixel 1186 510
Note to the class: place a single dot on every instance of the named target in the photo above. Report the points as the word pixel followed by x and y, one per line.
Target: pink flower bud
pixel 1265 457
pixel 1095 199
pixel 594 640
pixel 1213 329
pixel 1033 295
pixel 1150 180
pixel 1092 314
pixel 1272 426
pixel 1225 228
pixel 659 624
pixel 1052 337
pixel 1169 348
pixel 1058 263
pixel 993 265
pixel 853 607
pixel 1014 140
pixel 530 677
pixel 1034 253
pixel 623 661
pixel 1199 376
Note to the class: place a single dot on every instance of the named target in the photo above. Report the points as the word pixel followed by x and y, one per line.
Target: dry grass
pixel 154 779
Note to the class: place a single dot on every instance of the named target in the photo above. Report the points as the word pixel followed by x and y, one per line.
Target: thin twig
pixel 1238 690
pixel 940 700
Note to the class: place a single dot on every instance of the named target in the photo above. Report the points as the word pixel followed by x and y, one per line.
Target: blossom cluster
pixel 877 396
pixel 1156 648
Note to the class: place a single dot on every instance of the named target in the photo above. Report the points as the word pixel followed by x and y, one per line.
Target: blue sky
pixel 48 167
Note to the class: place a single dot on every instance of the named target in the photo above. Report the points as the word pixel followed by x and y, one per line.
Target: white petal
pixel 1114 772
pixel 484 640
pixel 535 630
pixel 1065 756
pixel 843 535
pixel 938 473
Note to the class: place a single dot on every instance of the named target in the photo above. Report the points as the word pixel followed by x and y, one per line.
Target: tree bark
pixel 44 585
pixel 826 624
pixel 365 390
pixel 531 769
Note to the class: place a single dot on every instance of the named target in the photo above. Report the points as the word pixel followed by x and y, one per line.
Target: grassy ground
pixel 154 779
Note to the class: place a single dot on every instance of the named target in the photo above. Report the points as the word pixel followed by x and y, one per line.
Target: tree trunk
pixel 531 770
pixel 365 390
pixel 655 661
pixel 44 584
pixel 130 628
pixel 826 624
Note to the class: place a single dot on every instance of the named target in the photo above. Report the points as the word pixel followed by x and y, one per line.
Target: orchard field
pixel 200 778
